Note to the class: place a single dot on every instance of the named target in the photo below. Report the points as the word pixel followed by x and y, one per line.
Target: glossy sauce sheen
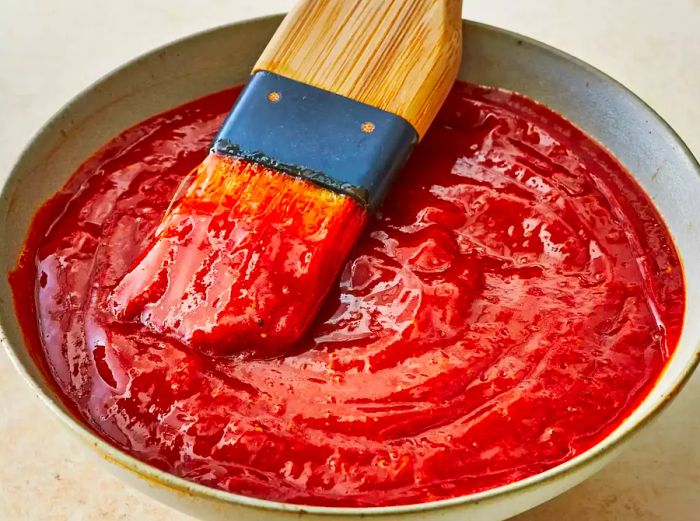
pixel 514 301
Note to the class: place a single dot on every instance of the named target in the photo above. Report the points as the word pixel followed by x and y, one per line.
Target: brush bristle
pixel 242 262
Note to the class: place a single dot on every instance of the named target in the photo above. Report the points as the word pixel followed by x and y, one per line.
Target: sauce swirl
pixel 514 301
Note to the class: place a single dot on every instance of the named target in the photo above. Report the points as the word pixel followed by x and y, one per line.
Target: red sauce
pixel 515 300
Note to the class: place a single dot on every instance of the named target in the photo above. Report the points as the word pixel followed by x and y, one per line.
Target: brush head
pixel 241 263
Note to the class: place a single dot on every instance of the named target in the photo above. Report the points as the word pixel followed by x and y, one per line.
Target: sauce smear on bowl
pixel 515 300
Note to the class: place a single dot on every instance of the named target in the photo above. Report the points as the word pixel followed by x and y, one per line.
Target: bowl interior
pixel 637 136
pixel 216 59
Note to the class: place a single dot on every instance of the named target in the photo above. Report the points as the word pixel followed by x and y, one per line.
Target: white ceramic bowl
pixel 216 59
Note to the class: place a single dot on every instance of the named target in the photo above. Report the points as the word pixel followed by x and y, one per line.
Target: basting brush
pixel 335 104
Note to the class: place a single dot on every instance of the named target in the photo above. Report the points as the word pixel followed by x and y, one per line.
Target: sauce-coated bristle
pixel 242 262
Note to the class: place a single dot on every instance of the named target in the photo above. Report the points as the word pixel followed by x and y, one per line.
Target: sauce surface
pixel 513 302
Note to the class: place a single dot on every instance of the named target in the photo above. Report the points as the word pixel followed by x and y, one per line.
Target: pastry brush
pixel 335 104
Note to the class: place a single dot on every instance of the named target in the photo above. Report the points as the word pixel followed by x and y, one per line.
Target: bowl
pixel 216 59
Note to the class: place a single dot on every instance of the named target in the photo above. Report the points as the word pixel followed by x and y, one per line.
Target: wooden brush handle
pixel 401 56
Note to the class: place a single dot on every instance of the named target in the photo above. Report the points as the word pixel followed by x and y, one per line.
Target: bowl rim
pixel 156 476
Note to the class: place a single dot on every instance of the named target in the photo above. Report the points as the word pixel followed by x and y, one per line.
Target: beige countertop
pixel 51 50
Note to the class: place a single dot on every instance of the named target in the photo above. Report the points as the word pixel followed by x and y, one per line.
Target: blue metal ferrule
pixel 331 140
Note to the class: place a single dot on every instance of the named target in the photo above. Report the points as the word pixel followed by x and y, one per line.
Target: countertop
pixel 50 50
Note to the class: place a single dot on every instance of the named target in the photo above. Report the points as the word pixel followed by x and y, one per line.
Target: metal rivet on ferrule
pixel 274 96
pixel 367 127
